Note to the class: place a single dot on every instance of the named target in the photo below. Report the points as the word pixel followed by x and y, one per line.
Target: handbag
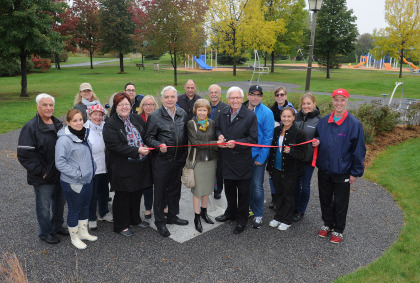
pixel 187 177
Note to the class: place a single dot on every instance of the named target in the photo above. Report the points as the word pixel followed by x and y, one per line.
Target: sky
pixel 370 14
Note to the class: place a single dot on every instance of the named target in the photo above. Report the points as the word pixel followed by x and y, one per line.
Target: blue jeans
pixel 100 196
pixel 49 197
pixel 272 189
pixel 256 190
pixel 303 189
pixel 77 203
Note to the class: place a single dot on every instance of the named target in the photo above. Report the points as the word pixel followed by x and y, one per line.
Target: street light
pixel 314 6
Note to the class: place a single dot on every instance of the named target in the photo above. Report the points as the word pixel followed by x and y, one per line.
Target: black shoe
pixel 163 231
pixel 223 218
pixel 217 196
pixel 297 217
pixel 197 223
pixel 143 224
pixel 148 216
pixel 51 239
pixel 127 233
pixel 63 231
pixel 273 201
pixel 177 221
pixel 205 216
pixel 238 229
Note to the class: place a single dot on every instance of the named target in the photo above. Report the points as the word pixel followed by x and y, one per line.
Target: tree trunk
pixel 121 62
pixel 272 61
pixel 57 60
pixel 265 59
pixel 142 58
pixel 328 66
pixel 175 69
pixel 234 53
pixel 401 62
pixel 91 59
pixel 24 81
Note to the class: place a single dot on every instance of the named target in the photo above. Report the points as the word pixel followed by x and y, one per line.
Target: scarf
pixel 133 136
pixel 89 103
pixel 80 134
pixel 203 124
pixel 97 128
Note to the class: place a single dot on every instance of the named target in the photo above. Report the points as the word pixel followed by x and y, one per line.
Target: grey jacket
pixel 73 158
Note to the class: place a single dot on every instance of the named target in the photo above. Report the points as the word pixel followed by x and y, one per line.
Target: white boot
pixel 75 240
pixel 84 233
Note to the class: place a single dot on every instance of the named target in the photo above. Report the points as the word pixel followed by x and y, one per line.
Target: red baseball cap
pixel 340 91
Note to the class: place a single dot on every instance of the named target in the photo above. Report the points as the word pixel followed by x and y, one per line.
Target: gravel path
pixel 265 255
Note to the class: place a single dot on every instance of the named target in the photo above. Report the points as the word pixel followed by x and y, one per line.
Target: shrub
pixel 412 115
pixel 224 59
pixel 10 67
pixel 376 119
pixel 62 57
pixel 41 63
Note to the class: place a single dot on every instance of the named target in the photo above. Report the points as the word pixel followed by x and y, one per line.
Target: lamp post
pixel 314 6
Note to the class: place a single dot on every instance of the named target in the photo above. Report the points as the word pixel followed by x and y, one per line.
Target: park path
pixel 87 64
pixel 217 255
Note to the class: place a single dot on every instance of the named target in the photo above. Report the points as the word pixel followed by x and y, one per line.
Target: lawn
pixel 396 169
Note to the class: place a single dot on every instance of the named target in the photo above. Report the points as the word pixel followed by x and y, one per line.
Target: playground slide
pixel 409 63
pixel 363 60
pixel 200 61
pixel 387 66
pixel 358 65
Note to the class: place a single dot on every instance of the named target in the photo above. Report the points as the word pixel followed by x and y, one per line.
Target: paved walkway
pixel 217 255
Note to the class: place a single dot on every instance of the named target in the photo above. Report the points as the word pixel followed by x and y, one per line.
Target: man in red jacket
pixel 340 161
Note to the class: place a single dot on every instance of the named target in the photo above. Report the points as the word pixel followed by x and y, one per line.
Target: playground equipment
pixel 258 69
pixel 299 52
pixel 201 61
pixel 363 60
pixel 410 64
pixel 387 66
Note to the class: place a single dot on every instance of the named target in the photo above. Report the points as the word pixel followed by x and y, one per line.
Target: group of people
pixel 139 149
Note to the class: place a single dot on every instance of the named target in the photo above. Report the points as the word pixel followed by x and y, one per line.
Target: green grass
pixel 397 170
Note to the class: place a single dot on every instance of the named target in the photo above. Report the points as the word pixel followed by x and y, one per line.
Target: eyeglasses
pixel 235 98
pixel 280 94
pixel 257 94
pixel 148 105
pixel 124 105
pixel 131 90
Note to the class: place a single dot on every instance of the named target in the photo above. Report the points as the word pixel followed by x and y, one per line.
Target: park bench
pixel 140 65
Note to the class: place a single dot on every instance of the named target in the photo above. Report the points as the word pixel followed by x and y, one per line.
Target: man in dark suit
pixel 236 124
pixel 215 92
pixel 186 100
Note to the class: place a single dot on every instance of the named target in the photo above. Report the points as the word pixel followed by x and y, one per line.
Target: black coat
pixel 185 103
pixel 36 151
pixel 237 163
pixel 292 162
pixel 307 123
pixel 162 129
pixel 128 172
pixel 276 110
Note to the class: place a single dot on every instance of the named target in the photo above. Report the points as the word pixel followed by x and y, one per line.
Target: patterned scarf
pixel 203 124
pixel 89 103
pixel 133 135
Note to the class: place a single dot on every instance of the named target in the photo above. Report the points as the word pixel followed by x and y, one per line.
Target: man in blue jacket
pixel 340 161
pixel 265 119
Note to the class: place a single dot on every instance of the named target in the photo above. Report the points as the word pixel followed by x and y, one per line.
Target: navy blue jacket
pixel 342 147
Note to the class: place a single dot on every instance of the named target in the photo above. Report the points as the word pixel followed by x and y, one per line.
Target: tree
pixel 403 32
pixel 26 28
pixel 139 10
pixel 177 27
pixel 239 25
pixel 86 34
pixel 364 44
pixel 116 28
pixel 336 32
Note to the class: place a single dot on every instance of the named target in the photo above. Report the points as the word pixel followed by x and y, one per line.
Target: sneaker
pixel 251 213
pixel 283 227
pixel 336 237
pixel 274 223
pixel 93 225
pixel 323 232
pixel 257 222
pixel 107 217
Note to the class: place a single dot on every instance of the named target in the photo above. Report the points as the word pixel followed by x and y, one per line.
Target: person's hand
pixel 43 177
pixel 221 139
pixel 286 149
pixel 144 150
pixel 230 144
pixel 315 143
pixel 257 163
pixel 163 148
pixel 352 179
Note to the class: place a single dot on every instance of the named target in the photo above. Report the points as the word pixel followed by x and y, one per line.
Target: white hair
pixel 41 96
pixel 165 89
pixel 234 89
pixel 217 86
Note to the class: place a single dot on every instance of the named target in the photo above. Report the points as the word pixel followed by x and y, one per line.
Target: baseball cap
pixel 255 88
pixel 340 91
pixel 84 86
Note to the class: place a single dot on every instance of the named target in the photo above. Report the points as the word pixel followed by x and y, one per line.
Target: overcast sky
pixel 370 14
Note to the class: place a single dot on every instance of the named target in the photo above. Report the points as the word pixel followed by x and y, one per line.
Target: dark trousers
pixel 237 195
pixel 219 177
pixel 77 203
pixel 148 198
pixel 334 196
pixel 167 181
pixel 126 209
pixel 285 198
pixel 100 196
